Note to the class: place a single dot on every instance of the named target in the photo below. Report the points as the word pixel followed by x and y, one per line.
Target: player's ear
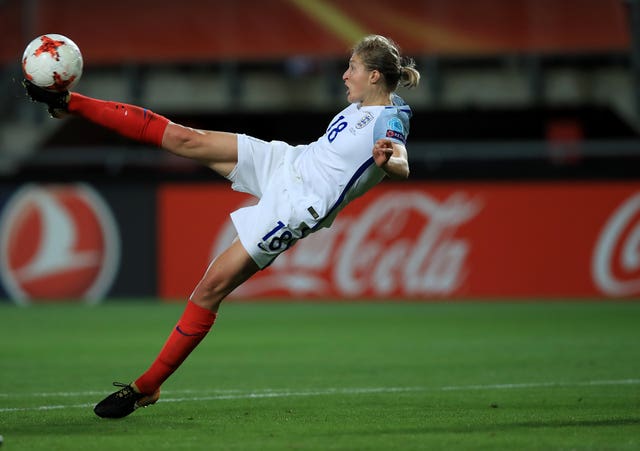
pixel 374 77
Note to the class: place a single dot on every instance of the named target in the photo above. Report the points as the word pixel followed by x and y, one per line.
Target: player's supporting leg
pixel 225 273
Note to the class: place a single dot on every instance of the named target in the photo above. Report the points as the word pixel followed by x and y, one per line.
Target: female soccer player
pixel 300 188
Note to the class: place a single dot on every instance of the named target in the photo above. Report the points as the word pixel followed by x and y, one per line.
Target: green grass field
pixel 361 376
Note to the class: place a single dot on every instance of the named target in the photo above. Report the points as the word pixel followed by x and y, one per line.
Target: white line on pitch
pixel 96 393
pixel 58 407
pixel 272 393
pixel 541 385
pixel 269 393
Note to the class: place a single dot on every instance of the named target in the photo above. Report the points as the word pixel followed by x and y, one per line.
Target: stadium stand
pixel 273 68
pixel 146 31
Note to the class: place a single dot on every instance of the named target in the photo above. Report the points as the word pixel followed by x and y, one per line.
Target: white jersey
pixel 339 166
pixel 302 188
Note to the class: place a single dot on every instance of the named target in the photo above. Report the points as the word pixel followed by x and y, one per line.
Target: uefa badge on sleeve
pixel 395 130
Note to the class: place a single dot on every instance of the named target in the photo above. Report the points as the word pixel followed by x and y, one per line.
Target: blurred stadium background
pixel 524 149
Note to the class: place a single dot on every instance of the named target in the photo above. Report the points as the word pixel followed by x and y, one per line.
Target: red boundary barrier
pixel 426 241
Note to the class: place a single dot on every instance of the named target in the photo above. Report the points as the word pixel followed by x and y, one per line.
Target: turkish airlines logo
pixel 616 258
pixel 402 243
pixel 58 242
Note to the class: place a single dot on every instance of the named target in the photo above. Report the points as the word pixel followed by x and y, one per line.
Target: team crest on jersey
pixel 395 129
pixel 366 119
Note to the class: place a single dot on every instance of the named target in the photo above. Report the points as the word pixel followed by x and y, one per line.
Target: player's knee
pixel 210 292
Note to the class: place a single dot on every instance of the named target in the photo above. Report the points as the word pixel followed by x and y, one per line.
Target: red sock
pixel 130 121
pixel 192 327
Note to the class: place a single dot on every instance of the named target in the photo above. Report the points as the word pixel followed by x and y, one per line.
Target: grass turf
pixel 330 376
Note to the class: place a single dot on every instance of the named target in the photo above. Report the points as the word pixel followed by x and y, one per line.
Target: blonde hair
pixel 382 54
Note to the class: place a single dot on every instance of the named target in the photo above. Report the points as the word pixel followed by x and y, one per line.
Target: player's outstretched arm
pixel 392 158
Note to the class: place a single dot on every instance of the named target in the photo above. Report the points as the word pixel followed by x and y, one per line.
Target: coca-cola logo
pixel 403 243
pixel 616 257
pixel 57 242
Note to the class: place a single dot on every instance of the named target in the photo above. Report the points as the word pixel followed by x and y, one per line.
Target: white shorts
pixel 270 227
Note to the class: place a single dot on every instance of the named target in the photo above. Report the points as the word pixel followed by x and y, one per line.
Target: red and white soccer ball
pixel 53 62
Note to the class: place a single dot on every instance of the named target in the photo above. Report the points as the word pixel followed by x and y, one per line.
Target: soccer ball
pixel 52 62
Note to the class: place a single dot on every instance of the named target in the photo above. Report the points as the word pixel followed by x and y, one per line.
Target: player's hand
pixel 56 101
pixel 382 151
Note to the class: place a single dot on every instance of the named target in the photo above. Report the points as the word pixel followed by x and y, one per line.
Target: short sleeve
pixel 392 124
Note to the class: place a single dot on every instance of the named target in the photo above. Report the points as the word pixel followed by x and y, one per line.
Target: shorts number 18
pixel 274 241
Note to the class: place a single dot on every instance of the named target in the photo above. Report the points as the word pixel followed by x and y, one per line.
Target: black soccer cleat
pixel 123 402
pixel 57 101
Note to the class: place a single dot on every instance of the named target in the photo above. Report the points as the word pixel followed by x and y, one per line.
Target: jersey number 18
pixel 335 128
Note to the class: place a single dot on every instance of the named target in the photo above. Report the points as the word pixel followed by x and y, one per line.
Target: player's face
pixel 356 79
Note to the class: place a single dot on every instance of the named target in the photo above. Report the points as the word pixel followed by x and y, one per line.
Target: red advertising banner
pixel 426 241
